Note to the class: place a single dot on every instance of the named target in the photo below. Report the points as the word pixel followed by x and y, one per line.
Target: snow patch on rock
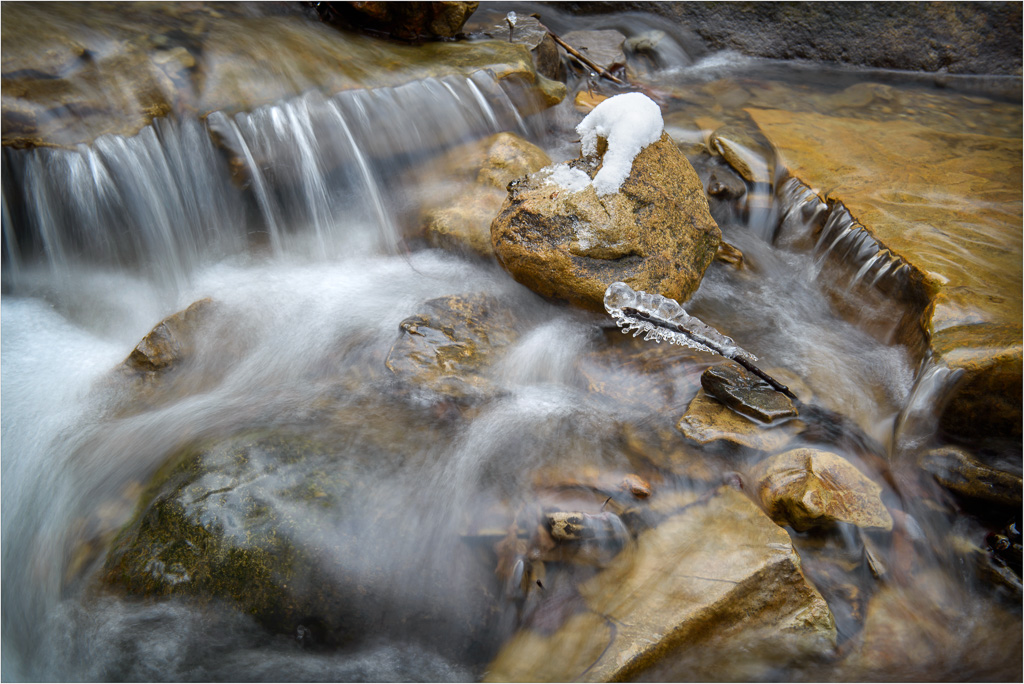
pixel 629 123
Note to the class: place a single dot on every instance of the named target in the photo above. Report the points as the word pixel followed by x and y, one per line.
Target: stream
pixel 306 239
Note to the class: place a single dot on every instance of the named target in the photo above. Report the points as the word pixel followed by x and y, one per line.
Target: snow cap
pixel 629 123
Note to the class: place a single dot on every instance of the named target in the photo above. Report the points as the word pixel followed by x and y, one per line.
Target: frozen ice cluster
pixel 629 123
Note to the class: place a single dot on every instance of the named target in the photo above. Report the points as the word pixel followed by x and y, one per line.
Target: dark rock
pixel 746 393
pixel 407 20
pixel 604 48
pixel 528 31
pixel 655 234
pixel 965 476
pixel 960 38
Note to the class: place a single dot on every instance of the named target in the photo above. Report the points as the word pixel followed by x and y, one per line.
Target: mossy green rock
pixel 257 520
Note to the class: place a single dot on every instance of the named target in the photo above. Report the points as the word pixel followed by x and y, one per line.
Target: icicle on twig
pixel 662 319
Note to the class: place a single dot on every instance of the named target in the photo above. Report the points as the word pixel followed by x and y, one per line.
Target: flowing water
pixel 303 240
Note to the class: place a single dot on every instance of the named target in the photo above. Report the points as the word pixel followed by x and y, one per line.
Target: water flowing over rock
pixel 655 234
pixel 804 488
pixel 708 421
pixel 717 572
pixel 481 171
pixel 966 476
pixel 69 87
pixel 171 340
pixel 965 260
pixel 450 348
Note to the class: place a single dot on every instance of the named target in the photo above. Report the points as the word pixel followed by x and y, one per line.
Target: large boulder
pixel 568 242
pixel 716 578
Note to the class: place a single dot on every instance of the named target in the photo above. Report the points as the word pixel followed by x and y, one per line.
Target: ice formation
pixel 629 123
pixel 662 319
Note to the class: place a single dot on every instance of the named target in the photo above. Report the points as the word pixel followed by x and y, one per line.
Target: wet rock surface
pixel 406 20
pixel 972 318
pixel 805 488
pixel 449 349
pixel 655 233
pixel 965 476
pixel 483 170
pixel 746 393
pixel 681 590
pixel 171 340
pixel 134 64
pixel 707 421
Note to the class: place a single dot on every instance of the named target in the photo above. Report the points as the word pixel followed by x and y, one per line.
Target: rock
pixel 449 348
pixel 63 86
pixel 171 340
pixel 927 630
pixel 482 171
pixel 717 576
pixel 602 47
pixel 746 393
pixel 965 476
pixel 655 234
pixel 528 31
pixel 749 154
pixel 974 39
pixel 962 286
pixel 408 20
pixel 707 421
pixel 806 488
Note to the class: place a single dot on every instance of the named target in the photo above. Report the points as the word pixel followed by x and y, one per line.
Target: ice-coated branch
pixel 662 319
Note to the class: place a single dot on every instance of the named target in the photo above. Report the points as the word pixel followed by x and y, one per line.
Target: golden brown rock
pixel 805 488
pixel 482 171
pixel 958 472
pixel 171 340
pixel 954 214
pixel 656 234
pixel 717 576
pixel 708 421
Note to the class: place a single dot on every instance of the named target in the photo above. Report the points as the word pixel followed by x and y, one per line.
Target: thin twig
pixel 586 62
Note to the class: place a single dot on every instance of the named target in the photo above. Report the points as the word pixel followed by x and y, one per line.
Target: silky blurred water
pixel 312 270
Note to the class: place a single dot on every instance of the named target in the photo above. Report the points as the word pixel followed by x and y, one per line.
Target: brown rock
pixel 805 488
pixel 715 577
pixel 171 340
pixel 409 20
pixel 928 631
pixel 449 348
pixel 656 234
pixel 963 475
pixel 708 421
pixel 963 250
pixel 482 171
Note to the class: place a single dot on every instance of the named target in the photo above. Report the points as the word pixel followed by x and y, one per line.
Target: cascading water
pixel 293 218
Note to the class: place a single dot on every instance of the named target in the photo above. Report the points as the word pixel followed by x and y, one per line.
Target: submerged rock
pixel 967 477
pixel 171 340
pixel 806 488
pixel 449 348
pixel 481 171
pixel 718 576
pixel 656 233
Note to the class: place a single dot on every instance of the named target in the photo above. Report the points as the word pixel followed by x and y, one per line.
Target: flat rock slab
pixel 950 204
pixel 707 421
pixel 746 394
pixel 719 574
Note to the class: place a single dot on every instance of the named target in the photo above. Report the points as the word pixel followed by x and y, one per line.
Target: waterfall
pixel 316 174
